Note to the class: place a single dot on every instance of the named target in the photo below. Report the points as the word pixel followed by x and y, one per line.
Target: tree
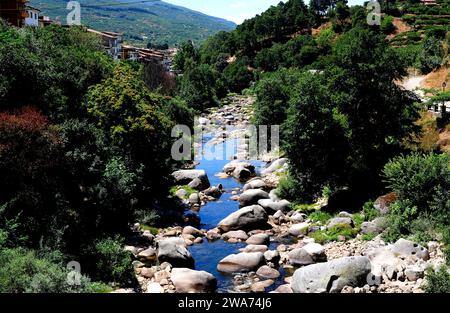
pixel 197 88
pixel 157 78
pixel 55 65
pixel 237 75
pixel 186 56
pixel 341 15
pixel 273 92
pixel 313 139
pixel 431 56
pixel 362 106
pixel 387 27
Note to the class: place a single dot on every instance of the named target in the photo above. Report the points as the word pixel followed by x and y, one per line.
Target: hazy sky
pixel 233 10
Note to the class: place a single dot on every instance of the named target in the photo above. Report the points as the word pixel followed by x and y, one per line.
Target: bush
pixel 387 26
pixel 370 212
pixel 421 182
pixel 111 262
pixel 197 88
pixel 24 270
pixel 437 281
pixel 319 216
pixel 287 188
pixel 432 55
pixel 334 233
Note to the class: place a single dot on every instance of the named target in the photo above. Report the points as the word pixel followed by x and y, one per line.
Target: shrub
pixel 24 270
pixel 319 216
pixel 432 55
pixel 111 262
pixel 387 26
pixel 421 182
pixel 368 237
pixel 423 207
pixel 370 212
pixel 334 233
pixel 287 188
pixel 437 281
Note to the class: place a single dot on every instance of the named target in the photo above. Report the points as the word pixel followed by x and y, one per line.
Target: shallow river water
pixel 208 254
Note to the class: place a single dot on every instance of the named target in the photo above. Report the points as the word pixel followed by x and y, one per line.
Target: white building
pixel 112 42
pixel 32 18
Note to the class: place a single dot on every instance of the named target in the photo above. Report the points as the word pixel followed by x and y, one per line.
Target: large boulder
pixel 147 255
pixel 189 230
pixel 406 248
pixel 255 183
pixel 185 177
pixel 266 272
pixel 248 218
pixel 299 229
pixel 252 196
pixel 214 191
pixel 273 206
pixel 371 228
pixel 241 262
pixel 187 280
pixel 240 170
pixel 299 257
pixel 383 203
pixel 272 256
pixel 259 239
pixel 254 248
pixel 236 234
pixel 347 221
pixel 275 166
pixel 316 251
pixel 173 251
pixel 331 276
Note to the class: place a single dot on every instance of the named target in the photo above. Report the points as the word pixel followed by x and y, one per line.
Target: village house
pixel 32 18
pixel 14 12
pixel 112 42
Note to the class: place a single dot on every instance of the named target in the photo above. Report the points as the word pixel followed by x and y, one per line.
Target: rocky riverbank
pixel 279 242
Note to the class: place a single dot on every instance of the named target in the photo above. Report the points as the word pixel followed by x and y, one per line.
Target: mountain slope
pixel 157 22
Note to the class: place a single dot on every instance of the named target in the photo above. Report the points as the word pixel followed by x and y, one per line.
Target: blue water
pixel 208 254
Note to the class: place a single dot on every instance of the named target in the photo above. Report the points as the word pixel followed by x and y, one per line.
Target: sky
pixel 233 10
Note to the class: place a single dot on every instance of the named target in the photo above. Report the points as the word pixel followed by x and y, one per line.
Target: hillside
pixel 156 22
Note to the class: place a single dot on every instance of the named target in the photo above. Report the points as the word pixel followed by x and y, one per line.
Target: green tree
pixel 186 56
pixel 432 55
pixel 362 106
pixel 237 75
pixel 197 88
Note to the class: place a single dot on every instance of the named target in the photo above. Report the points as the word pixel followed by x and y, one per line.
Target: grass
pixel 437 281
pixel 333 234
pixel 370 213
pixel 319 217
pixel 368 237
pixel 305 208
pixel 153 230
pixel 189 190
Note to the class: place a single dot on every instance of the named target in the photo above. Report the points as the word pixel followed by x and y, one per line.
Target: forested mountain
pixel 157 22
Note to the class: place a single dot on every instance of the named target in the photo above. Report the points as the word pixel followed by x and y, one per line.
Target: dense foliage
pixel 422 184
pixel 84 152
pixel 350 118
